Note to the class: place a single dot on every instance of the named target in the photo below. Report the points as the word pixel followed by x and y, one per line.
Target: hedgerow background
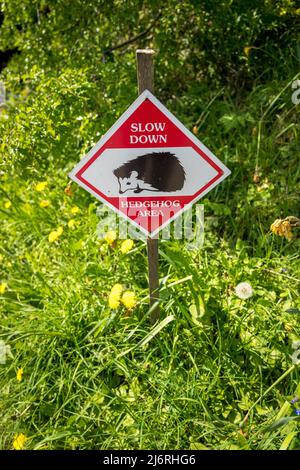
pixel 217 372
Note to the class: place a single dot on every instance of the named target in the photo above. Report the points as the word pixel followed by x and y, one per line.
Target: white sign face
pixel 149 158
pixel 101 170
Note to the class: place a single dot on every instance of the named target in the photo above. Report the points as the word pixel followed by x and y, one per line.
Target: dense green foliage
pixel 93 378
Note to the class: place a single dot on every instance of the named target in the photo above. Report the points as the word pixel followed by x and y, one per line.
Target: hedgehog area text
pixel 149 204
pixel 150 208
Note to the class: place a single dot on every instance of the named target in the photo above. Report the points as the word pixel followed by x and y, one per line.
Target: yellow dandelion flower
pixel 41 186
pixel 126 246
pixel 110 236
pixel 113 301
pixel 27 208
pixel 3 287
pixel 44 203
pixel 128 299
pixel 19 441
pixel 247 50
pixel 20 372
pixel 55 234
pixel 115 296
pixel 7 204
pixel 71 223
pixel 75 210
pixel 117 288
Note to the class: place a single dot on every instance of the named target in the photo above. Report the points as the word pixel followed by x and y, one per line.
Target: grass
pixel 216 372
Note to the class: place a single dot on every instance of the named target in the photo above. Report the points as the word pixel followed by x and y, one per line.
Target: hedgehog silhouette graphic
pixel 156 171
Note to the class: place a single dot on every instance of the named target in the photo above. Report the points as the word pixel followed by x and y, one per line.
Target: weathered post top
pixel 145 69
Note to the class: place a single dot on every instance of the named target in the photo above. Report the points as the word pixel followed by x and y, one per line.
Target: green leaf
pixel 294 311
pixel 282 422
pixel 198 446
pixel 156 330
pixel 288 439
pixel 150 335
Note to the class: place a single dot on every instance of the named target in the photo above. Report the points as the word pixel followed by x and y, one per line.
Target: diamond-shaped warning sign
pixel 148 167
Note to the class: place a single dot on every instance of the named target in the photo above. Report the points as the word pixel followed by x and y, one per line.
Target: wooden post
pixel 145 78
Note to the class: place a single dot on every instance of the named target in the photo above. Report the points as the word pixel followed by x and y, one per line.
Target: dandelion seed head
pixel 244 290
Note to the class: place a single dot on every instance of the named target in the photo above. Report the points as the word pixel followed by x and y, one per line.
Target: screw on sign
pixel 148 167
